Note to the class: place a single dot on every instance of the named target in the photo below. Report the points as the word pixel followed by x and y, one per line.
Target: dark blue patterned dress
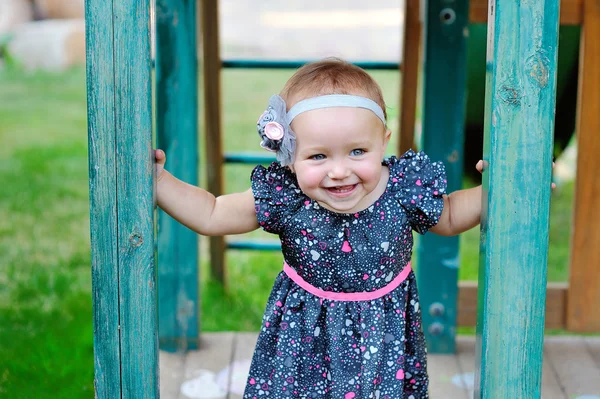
pixel 343 319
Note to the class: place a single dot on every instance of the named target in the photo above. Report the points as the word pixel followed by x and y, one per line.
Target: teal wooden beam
pixel 177 134
pixel 519 123
pixel 248 158
pixel 294 64
pixel 444 99
pixel 254 245
pixel 121 198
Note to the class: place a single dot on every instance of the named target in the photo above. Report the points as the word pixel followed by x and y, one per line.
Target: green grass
pixel 46 332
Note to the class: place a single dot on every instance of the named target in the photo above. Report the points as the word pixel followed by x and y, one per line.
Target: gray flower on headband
pixel 275 133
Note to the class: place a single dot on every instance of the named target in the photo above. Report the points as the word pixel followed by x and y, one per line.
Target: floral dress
pixel 343 318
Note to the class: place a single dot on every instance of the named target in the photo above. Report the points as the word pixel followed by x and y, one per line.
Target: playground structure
pixel 521 85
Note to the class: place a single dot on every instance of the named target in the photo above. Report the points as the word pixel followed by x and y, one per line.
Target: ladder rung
pixel 276 64
pixel 255 245
pixel 248 158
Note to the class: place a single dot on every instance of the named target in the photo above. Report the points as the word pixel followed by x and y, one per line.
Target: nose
pixel 338 171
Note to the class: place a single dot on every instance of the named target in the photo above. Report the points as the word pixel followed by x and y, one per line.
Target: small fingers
pixel 479 166
pixel 160 156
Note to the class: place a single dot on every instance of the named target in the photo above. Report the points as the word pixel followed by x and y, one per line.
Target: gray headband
pixel 273 125
pixel 335 100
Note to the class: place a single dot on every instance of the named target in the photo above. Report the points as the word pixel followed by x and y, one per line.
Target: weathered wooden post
pixel 177 134
pixel 121 198
pixel 444 107
pixel 519 121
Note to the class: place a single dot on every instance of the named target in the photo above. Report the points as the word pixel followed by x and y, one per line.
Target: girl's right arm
pixel 199 210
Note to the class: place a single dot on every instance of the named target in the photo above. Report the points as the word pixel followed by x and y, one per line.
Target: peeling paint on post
pixel 519 124
pixel 121 198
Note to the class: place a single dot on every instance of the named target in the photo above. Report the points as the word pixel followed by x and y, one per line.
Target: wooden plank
pixel 442 370
pixel 465 353
pixel 584 295
pixel 121 188
pixel 575 368
pixel 207 369
pixel 593 347
pixel 570 12
pixel 519 121
pixel 410 74
pixel 103 199
pixel 171 373
pixel 445 59
pixel 551 388
pixel 244 349
pixel 135 199
pixel 556 304
pixel 213 122
pixel 177 135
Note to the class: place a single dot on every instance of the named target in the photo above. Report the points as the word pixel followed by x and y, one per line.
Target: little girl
pixel 343 319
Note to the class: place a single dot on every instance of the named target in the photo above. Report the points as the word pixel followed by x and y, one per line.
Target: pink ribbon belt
pixel 347 296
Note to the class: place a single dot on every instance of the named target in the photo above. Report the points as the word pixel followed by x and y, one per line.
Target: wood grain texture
pixel 570 12
pixel 103 198
pixel 213 122
pixel 444 76
pixel 410 74
pixel 584 297
pixel 519 121
pixel 177 134
pixel 135 205
pixel 121 187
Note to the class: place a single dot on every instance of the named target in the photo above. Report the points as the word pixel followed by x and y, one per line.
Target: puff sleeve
pixel 419 185
pixel 274 189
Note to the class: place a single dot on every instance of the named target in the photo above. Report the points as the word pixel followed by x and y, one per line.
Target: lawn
pixel 46 330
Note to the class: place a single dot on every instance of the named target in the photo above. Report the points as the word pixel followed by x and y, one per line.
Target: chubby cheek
pixel 309 178
pixel 370 176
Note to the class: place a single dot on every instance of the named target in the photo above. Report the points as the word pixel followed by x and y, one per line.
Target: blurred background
pixel 46 348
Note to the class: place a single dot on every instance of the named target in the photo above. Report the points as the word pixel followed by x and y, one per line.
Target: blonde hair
pixel 331 76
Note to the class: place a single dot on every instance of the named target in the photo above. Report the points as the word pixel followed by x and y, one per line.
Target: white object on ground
pixel 204 386
pixel 236 375
pixel 52 45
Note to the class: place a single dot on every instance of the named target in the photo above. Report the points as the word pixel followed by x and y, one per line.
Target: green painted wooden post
pixel 519 122
pixel 177 134
pixel 121 198
pixel 444 96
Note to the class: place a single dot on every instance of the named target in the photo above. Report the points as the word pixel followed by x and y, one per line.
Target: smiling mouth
pixel 341 190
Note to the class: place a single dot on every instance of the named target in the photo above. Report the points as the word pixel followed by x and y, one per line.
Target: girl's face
pixel 338 157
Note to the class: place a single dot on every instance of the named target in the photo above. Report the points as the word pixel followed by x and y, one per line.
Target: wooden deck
pixel 219 369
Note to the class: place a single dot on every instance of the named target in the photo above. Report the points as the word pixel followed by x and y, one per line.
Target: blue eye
pixel 357 152
pixel 317 157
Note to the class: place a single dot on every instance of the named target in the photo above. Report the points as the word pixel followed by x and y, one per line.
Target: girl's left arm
pixel 462 212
